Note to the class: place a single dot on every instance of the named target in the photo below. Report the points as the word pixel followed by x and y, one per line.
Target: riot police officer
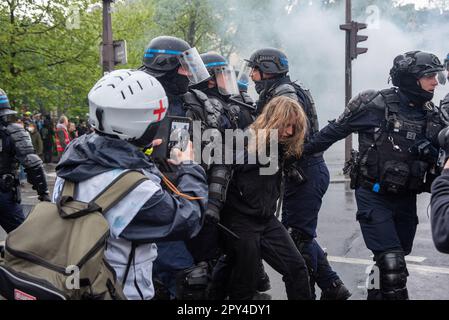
pixel 16 147
pixel 165 59
pixel 397 130
pixel 175 65
pixel 247 113
pixel 306 179
pixel 209 103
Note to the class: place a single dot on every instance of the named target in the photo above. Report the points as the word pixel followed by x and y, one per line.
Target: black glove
pixel 212 214
pixel 44 197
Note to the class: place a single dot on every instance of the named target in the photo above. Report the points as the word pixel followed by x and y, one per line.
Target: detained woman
pixel 250 209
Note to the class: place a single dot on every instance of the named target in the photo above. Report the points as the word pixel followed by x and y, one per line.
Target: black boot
pixel 337 291
pixel 263 283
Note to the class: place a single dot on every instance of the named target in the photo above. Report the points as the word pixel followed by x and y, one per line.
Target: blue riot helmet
pixel 269 60
pixel 161 55
pixel 174 63
pixel 222 73
pixel 5 107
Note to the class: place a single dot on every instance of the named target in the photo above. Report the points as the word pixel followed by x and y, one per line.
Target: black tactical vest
pixel 210 110
pixel 8 164
pixel 388 163
pixel 304 97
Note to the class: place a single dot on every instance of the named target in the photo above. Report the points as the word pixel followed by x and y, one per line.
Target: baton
pixel 228 231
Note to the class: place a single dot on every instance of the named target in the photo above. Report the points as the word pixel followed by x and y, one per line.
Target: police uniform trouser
pixel 267 239
pixel 11 214
pixel 300 211
pixel 172 257
pixel 388 224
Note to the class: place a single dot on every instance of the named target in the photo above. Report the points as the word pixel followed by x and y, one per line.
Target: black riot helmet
pixel 165 55
pixel 5 107
pixel 409 68
pixel 269 60
pixel 162 55
pixel 222 72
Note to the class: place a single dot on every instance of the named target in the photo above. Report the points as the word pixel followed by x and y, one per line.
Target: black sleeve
pixel 360 115
pixel 440 212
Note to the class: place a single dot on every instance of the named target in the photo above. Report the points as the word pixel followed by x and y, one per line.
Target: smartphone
pixel 174 132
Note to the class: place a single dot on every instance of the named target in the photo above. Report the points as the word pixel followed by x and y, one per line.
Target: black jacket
pixel 440 212
pixel 252 193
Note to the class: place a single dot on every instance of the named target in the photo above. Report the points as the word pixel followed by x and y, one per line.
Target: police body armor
pixel 15 144
pixel 387 163
pixel 8 165
pixel 293 167
pixel 303 96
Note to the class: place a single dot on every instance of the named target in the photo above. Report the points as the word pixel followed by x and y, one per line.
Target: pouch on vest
pixel 394 177
pixel 418 170
pixel 58 251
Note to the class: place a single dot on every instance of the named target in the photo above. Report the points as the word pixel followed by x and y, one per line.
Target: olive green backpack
pixel 58 251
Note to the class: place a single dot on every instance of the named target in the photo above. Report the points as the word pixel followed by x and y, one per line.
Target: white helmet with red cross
pixel 129 104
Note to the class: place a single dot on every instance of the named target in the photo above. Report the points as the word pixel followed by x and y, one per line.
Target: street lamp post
pixel 108 44
pixel 352 51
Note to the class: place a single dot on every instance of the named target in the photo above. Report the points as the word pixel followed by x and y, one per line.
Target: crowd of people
pixel 49 134
pixel 199 228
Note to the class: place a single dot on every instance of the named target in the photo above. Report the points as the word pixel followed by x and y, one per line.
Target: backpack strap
pixel 119 188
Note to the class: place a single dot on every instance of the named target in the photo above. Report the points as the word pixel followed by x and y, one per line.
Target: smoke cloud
pixel 311 38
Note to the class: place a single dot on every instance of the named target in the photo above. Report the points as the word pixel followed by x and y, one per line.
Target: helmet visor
pixel 193 66
pixel 244 75
pixel 226 80
pixel 440 76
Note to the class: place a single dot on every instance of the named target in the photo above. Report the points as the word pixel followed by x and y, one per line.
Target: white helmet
pixel 128 104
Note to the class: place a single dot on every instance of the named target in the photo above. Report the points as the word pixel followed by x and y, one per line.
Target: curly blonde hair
pixel 276 115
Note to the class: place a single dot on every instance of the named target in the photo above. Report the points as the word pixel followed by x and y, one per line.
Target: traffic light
pixel 353 28
pixel 355 39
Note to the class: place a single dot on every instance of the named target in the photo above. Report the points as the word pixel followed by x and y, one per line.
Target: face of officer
pixel 257 76
pixel 429 82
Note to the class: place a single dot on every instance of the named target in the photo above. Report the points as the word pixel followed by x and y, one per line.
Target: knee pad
pixel 192 283
pixel 393 275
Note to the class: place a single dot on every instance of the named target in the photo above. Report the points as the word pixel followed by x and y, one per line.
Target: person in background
pixel 62 135
pixel 36 140
pixel 73 133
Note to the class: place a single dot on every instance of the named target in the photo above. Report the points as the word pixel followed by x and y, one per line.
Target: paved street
pixel 339 233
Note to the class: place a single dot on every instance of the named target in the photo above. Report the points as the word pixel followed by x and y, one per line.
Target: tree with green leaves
pixel 48 52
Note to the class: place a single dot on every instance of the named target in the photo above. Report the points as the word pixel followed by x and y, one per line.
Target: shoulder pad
pixel 20 138
pixel 444 109
pixel 12 128
pixel 360 102
pixel 247 98
pixel 445 101
pixel 286 90
pixel 190 98
pixel 201 96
